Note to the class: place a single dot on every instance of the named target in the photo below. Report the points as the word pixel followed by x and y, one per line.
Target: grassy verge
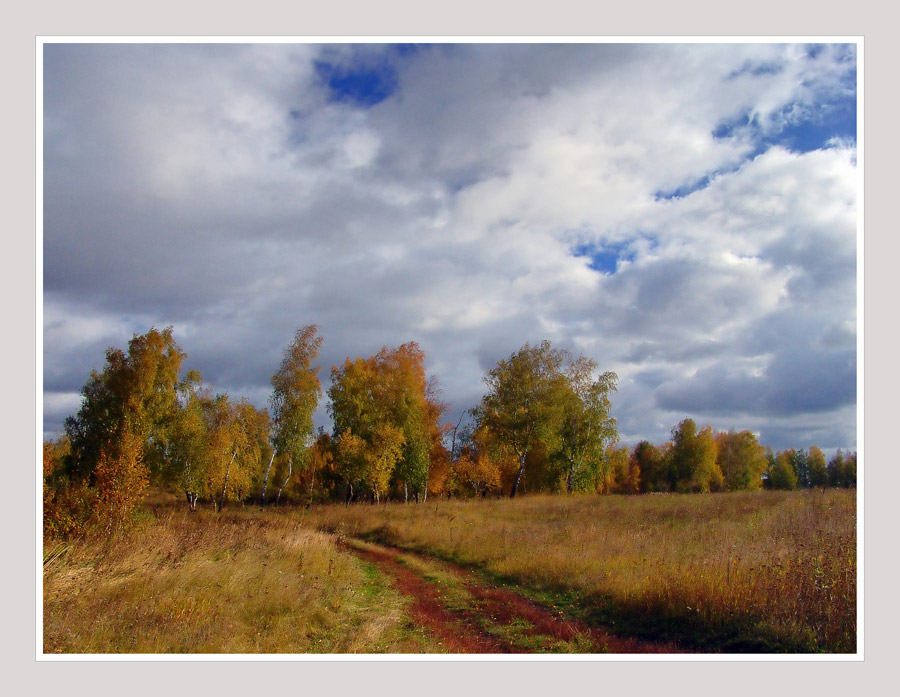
pixel 744 572
pixel 238 582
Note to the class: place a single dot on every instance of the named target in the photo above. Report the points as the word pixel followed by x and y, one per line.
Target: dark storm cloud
pixel 807 383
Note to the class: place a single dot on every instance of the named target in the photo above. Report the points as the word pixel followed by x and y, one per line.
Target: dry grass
pixel 238 582
pixel 766 571
pixel 755 571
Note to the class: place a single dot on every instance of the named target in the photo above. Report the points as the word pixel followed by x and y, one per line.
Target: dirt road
pixel 469 615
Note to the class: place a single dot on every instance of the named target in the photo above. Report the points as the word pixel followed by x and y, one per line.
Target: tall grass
pixel 237 582
pixel 754 571
pixel 765 571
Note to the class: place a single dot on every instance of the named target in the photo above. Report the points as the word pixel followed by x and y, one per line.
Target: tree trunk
pixel 192 500
pixel 349 493
pixel 570 478
pixel 225 483
pixel 405 493
pixel 515 486
pixel 290 472
pixel 262 500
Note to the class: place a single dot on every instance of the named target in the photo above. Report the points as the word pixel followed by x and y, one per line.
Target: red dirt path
pixel 428 609
pixel 461 631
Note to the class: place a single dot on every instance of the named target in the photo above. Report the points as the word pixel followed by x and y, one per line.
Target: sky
pixel 684 214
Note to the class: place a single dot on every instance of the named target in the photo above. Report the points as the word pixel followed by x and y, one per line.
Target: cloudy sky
pixel 684 214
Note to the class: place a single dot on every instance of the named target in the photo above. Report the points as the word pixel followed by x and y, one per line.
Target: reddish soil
pixel 506 605
pixel 428 610
pixel 462 632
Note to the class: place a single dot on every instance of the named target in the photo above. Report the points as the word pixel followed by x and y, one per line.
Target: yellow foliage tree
pixel 369 464
pixel 373 399
pixel 692 459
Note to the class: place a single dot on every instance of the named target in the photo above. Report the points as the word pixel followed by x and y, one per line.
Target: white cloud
pixel 218 189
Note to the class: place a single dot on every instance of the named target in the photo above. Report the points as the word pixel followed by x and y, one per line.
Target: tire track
pixel 486 619
pixel 427 608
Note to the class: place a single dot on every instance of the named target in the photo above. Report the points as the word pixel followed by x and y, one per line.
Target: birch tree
pixel 587 426
pixel 381 406
pixel 521 407
pixel 295 395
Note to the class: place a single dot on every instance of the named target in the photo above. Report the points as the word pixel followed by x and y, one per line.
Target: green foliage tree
pixel 842 470
pixel 836 469
pixel 850 470
pixel 217 445
pixel 523 405
pixel 800 463
pixel 782 474
pixel 295 396
pixel 406 395
pixel 742 460
pixel 586 426
pixel 649 461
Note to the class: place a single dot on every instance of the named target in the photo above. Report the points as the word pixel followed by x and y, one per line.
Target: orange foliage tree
pixel 120 478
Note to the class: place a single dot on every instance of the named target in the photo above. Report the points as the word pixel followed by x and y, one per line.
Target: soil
pixel 494 620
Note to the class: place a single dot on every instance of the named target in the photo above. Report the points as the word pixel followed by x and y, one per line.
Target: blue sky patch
pixel 835 119
pixel 604 258
pixel 684 189
pixel 802 130
pixel 727 129
pixel 361 82
pixel 824 114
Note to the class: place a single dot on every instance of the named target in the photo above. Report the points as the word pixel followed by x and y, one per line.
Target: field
pixel 762 572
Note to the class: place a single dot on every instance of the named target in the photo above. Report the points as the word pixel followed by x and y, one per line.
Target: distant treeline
pixel 543 425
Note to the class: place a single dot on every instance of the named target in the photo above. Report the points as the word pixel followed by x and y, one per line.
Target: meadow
pixel 242 581
pixel 761 572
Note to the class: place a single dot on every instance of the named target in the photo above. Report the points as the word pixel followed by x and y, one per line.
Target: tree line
pixel 544 424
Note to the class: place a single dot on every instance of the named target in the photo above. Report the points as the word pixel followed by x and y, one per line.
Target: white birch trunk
pixel 515 488
pixel 225 483
pixel 262 500
pixel 290 472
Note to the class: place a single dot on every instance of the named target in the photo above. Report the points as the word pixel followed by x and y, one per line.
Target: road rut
pixel 467 614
